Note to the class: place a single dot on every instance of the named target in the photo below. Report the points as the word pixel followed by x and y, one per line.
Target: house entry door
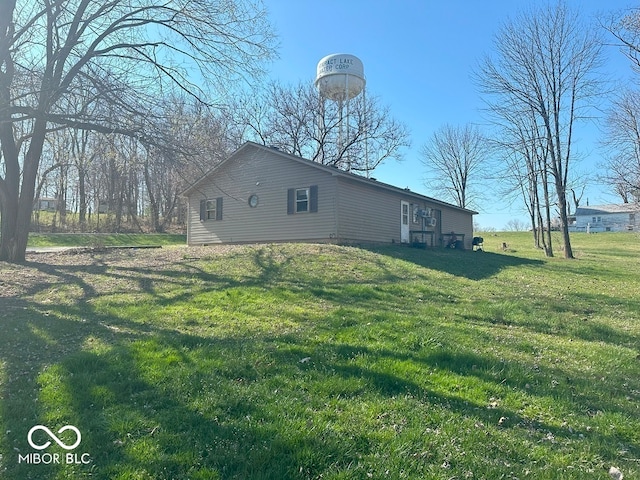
pixel 404 222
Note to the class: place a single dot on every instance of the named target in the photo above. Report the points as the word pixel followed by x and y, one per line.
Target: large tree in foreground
pixel 545 63
pixel 106 66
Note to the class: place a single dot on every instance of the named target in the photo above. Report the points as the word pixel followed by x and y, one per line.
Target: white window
pixel 302 200
pixel 211 210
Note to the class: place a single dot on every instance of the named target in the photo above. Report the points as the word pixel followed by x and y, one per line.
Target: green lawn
pixel 319 361
pixel 104 239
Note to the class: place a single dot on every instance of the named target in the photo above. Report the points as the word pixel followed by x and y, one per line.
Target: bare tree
pixel 297 120
pixel 455 158
pixel 623 126
pixel 129 54
pixel 82 155
pixel 545 63
pixel 625 27
pixel 525 155
pixel 204 143
pixel 516 225
pixel 622 146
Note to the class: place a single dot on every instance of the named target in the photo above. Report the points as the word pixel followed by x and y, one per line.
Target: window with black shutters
pixel 302 200
pixel 211 209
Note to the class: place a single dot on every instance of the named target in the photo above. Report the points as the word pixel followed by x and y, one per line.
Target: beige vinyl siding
pixel 370 214
pixel 269 175
pixel 459 222
pixel 367 213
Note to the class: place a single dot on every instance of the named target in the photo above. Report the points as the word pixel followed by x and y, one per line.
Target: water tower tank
pixel 340 76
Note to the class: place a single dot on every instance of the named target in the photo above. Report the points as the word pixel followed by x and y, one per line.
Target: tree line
pixel 108 68
pixel 114 182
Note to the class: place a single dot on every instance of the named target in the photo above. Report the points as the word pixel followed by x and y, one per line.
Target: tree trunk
pixel 82 193
pixel 61 197
pixel 17 242
pixel 9 216
pixel 546 226
pixel 16 205
pixel 564 222
pixel 16 213
pixel 154 208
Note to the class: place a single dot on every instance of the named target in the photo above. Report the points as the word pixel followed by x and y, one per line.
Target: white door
pixel 404 222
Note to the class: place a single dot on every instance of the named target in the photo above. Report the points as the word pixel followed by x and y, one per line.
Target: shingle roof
pixel 332 170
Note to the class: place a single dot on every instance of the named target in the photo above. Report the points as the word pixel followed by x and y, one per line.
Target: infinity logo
pixel 54 438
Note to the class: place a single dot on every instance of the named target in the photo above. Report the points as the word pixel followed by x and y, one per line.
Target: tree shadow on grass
pixel 474 265
pixel 122 279
pixel 147 404
pixel 576 397
pixel 155 403
pixel 587 317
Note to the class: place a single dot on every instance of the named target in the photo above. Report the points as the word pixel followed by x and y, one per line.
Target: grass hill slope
pixel 320 361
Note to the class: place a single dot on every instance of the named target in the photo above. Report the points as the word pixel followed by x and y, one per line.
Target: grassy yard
pixel 104 239
pixel 319 361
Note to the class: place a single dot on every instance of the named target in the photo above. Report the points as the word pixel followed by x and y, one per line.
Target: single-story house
pixel 261 194
pixel 606 218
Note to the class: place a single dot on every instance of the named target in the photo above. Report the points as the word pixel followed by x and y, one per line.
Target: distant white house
pixel 606 218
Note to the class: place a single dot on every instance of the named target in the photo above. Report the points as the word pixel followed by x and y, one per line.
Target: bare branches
pixel 622 146
pixel 625 28
pixel 622 134
pixel 543 75
pixel 455 158
pixel 297 120
pixel 108 66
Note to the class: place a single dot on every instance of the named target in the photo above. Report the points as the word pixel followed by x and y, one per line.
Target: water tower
pixel 339 78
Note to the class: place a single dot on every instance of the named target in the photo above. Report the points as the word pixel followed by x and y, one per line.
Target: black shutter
pixel 203 210
pixel 219 208
pixel 291 193
pixel 313 201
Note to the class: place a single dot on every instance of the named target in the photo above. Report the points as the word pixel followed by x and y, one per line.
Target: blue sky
pixel 418 57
